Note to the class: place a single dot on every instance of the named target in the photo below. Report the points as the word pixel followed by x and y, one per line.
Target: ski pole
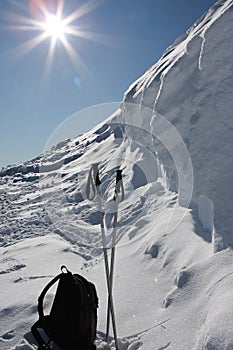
pixel 94 179
pixel 118 189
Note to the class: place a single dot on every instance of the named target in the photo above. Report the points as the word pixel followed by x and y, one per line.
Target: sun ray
pixel 51 52
pixel 21 28
pixel 60 7
pixel 19 19
pixel 41 5
pixel 99 38
pixel 76 59
pixel 48 65
pixel 24 49
pixel 82 11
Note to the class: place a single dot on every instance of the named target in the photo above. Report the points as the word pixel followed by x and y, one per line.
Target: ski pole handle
pixel 119 188
pixel 96 178
pixel 93 181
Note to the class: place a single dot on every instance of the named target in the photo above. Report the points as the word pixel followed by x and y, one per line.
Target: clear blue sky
pixel 133 35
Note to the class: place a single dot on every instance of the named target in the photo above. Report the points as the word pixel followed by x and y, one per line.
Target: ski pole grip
pixel 90 184
pixel 93 181
pixel 119 185
pixel 96 178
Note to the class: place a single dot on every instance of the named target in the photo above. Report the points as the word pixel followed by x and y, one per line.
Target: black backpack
pixel 72 321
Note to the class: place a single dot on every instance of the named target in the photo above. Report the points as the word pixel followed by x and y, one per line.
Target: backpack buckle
pixel 45 347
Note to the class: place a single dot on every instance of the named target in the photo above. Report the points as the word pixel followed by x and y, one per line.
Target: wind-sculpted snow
pixel 192 86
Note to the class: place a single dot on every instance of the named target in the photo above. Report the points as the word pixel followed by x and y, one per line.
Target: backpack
pixel 72 321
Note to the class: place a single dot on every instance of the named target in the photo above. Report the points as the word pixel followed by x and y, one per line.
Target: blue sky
pixel 131 36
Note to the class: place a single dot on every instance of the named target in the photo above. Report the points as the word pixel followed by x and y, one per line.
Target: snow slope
pixel 192 86
pixel 171 291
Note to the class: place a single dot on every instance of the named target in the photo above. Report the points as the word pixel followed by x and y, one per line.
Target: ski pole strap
pixel 119 188
pixel 93 181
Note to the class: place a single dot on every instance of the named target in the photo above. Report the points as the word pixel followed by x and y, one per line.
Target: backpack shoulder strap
pixel 44 320
pixel 45 290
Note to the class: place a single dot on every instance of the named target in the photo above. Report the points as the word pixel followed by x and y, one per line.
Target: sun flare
pixel 54 26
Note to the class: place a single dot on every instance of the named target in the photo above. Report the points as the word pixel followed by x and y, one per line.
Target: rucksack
pixel 72 321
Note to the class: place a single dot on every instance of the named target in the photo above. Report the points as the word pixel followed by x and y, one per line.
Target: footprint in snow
pixel 12 268
pixel 165 347
pixel 26 279
pixel 23 345
pixel 124 344
pixel 135 345
pixel 7 336
pixel 153 250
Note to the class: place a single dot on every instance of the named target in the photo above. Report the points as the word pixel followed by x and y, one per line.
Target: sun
pixel 55 27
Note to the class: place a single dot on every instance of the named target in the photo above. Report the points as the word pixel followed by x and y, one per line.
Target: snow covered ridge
pixel 192 87
pixel 179 48
pixel 48 193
